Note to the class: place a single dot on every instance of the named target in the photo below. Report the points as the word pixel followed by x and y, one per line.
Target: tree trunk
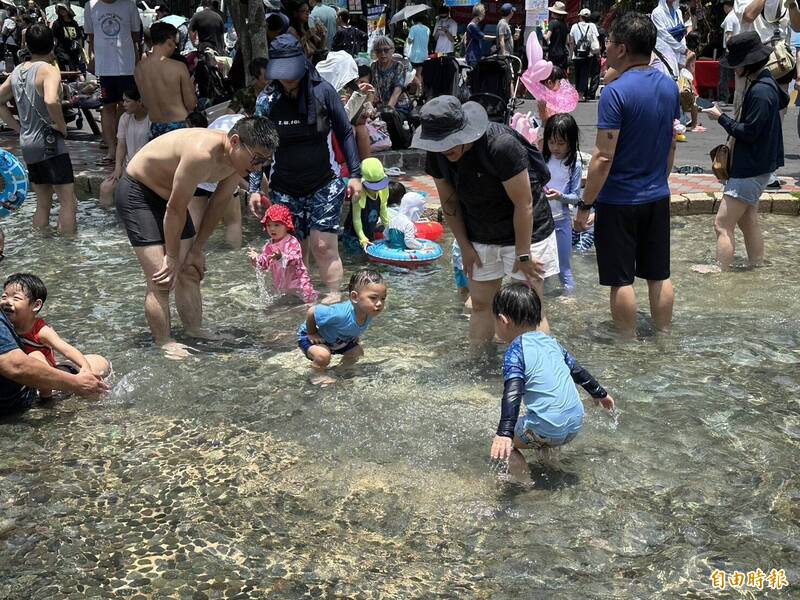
pixel 251 29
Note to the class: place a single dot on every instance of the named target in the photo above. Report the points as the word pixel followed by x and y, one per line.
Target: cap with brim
pixel 376 186
pixel 585 12
pixel 506 9
pixel 445 123
pixel 287 61
pixel 559 8
pixel 745 49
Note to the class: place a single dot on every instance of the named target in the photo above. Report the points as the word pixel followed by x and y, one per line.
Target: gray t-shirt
pixel 504 31
pixel 37 138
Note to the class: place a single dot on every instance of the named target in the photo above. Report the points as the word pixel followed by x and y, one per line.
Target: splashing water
pixel 227 475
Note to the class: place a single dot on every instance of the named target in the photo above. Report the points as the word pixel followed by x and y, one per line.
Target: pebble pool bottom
pixel 228 475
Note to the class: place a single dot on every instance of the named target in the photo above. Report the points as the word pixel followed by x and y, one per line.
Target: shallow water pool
pixel 228 475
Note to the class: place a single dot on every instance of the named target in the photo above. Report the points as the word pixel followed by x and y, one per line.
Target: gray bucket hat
pixel 446 123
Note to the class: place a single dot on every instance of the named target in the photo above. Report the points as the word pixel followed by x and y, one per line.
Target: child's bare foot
pixel 518 467
pixel 176 351
pixel 706 269
pixel 321 378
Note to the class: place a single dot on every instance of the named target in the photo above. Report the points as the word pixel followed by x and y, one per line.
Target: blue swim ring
pixel 15 179
pixel 381 252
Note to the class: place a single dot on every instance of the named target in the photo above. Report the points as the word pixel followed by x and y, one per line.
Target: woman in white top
pixel 133 132
pixel 671 41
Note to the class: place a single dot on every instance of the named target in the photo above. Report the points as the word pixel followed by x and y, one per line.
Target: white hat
pixel 559 8
pixel 585 12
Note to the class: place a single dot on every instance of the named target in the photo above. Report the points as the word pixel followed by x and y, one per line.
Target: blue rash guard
pixel 540 372
pixel 304 160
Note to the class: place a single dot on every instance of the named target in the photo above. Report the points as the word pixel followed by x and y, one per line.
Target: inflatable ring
pixel 16 183
pixel 381 252
pixel 426 230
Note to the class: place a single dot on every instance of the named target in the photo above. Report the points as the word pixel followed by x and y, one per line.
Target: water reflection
pixel 229 475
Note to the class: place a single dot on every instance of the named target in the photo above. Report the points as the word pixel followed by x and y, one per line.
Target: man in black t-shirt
pixel 489 180
pixel 209 28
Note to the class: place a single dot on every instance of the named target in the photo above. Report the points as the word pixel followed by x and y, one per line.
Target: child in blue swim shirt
pixel 337 328
pixel 539 373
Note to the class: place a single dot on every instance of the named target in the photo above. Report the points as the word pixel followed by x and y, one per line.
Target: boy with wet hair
pixel 337 328
pixel 539 372
pixel 22 301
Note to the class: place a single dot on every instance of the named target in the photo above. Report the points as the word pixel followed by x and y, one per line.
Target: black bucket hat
pixel 745 49
pixel 445 123
pixel 287 61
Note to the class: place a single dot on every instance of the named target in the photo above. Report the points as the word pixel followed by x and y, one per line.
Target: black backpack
pixel 583 49
pixel 210 83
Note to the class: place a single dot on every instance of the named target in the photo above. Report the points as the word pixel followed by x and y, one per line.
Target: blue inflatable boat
pixel 381 252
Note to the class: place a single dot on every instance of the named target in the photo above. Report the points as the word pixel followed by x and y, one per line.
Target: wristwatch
pixel 524 258
pixel 583 206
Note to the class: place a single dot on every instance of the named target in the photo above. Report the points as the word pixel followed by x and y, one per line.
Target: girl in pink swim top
pixel 282 256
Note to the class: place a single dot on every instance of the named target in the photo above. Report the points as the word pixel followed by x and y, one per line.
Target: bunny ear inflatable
pixel 538 68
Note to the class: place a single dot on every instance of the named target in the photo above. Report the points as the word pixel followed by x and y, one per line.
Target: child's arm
pixel 583 378
pixel 513 390
pixel 359 229
pixel 50 338
pixel 410 235
pixel 573 192
pixel 293 251
pixel 384 210
pixel 311 327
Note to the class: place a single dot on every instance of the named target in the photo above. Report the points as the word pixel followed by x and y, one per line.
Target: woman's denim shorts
pixel 747 189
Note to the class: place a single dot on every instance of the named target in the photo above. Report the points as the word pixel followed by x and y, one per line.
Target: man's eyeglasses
pixel 255 160
pixel 610 42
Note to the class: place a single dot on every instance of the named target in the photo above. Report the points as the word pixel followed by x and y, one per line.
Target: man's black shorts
pixel 52 171
pixel 113 86
pixel 632 241
pixel 142 212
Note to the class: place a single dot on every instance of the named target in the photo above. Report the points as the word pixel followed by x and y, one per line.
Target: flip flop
pixel 394 172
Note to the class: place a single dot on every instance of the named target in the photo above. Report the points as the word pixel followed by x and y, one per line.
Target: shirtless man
pixel 166 88
pixel 152 200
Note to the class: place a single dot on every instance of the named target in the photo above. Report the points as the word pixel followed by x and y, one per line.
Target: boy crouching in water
pixel 336 328
pixel 22 300
pixel 540 373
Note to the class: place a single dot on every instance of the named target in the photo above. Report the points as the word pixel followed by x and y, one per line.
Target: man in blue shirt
pixel 628 175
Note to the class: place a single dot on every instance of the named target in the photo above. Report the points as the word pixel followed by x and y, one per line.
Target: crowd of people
pixel 297 141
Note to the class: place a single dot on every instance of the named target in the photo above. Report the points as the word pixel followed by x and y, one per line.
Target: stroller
pixel 444 76
pixel 493 84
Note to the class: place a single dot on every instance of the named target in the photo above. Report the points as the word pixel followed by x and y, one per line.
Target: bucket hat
pixel 373 177
pixel 278 213
pixel 559 8
pixel 745 49
pixel 287 61
pixel 446 123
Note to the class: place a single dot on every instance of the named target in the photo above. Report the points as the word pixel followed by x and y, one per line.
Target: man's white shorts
pixel 498 261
